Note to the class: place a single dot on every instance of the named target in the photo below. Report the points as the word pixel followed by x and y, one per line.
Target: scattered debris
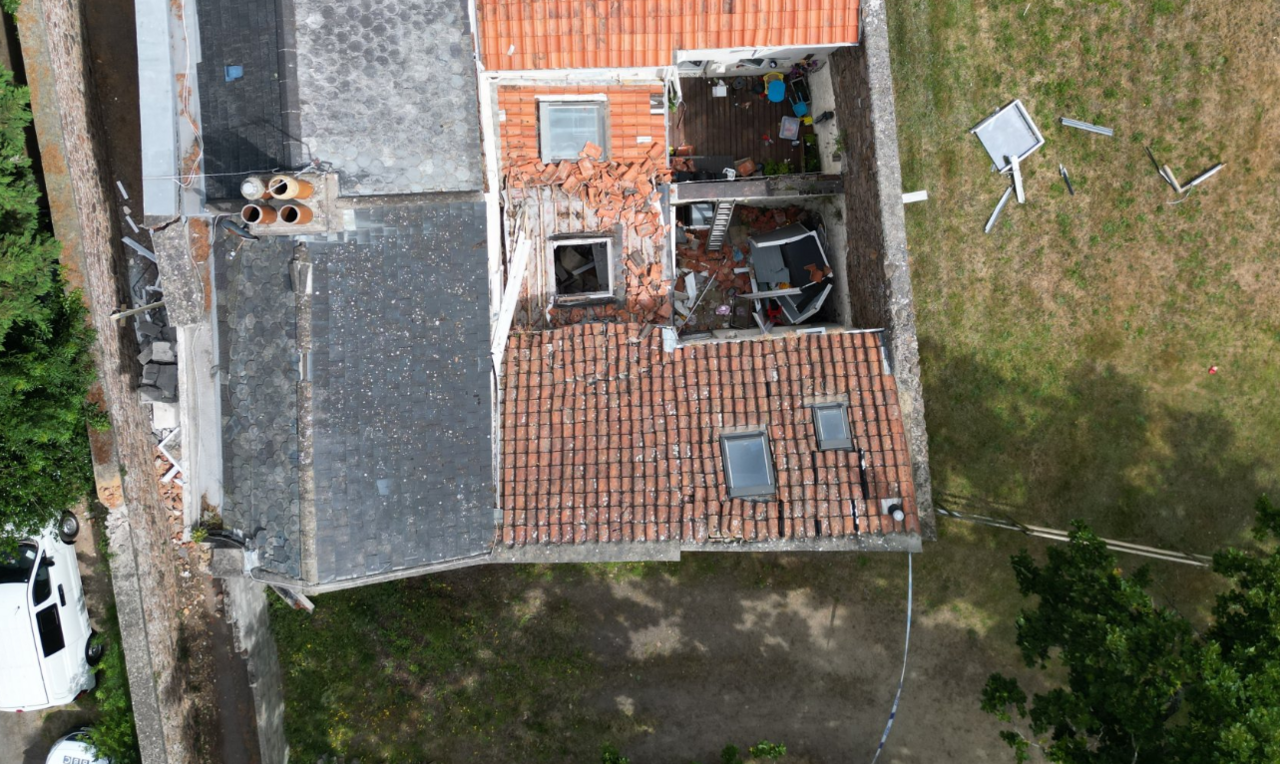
pixel 295 600
pixel 991 222
pixel 120 188
pixel 1213 369
pixel 1167 174
pixel 166 447
pixel 1009 132
pixel 1202 177
pixel 1017 179
pixel 1062 170
pixel 915 196
pixel 1077 124
pixel 123 314
pixel 136 247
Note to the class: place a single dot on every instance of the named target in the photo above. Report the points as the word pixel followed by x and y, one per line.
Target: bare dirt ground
pixel 802 650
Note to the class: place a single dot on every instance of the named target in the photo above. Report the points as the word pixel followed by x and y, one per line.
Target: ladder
pixel 720 225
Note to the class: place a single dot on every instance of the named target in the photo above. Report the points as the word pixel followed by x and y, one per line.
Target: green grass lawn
pixel 1065 355
pixel 1064 359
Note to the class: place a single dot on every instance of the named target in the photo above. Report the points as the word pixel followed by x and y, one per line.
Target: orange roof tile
pixel 607 437
pixel 629 119
pixel 554 34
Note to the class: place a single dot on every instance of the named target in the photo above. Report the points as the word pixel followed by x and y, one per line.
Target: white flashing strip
pixel 557 98
pixel 494 237
pixel 644 75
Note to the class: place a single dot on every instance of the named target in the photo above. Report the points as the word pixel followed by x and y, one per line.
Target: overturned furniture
pixel 790 268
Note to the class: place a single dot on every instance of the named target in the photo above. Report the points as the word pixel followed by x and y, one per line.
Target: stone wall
pixel 879 270
pixel 143 564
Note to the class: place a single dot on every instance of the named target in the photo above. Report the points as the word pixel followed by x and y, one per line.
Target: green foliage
pixel 609 755
pixel 45 370
pixel 766 750
pixel 729 755
pixel 113 735
pixel 1141 686
pixel 776 168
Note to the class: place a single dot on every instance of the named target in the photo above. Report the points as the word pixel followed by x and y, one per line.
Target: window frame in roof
pixel 601 106
pixel 750 491
pixel 826 443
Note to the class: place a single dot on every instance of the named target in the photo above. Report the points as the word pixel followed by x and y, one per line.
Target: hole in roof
pixel 582 268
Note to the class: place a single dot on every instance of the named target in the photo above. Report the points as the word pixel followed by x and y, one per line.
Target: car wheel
pixel 68 527
pixel 94 650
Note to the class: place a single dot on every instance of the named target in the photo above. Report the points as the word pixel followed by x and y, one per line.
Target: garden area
pixel 1110 355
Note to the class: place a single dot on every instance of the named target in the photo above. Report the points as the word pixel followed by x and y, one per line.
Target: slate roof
pixel 257 336
pixel 629 119
pixel 607 438
pixel 388 94
pixel 575 34
pixel 401 379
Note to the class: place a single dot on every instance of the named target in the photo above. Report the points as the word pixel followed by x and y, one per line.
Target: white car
pixel 74 748
pixel 46 651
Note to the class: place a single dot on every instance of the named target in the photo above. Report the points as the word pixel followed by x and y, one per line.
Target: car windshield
pixel 15 567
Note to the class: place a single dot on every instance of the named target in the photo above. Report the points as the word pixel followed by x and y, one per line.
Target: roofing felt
pixel 574 34
pixel 607 437
pixel 401 399
pixel 242 122
pixel 388 94
pixel 632 129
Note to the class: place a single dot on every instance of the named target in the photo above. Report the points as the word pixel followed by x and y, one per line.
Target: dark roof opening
pixel 583 268
pixel 748 465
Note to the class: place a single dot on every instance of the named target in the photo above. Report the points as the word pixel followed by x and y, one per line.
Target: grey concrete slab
pixel 387 94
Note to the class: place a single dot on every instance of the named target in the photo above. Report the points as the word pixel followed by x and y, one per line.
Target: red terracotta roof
pixel 606 437
pixel 575 34
pixel 629 119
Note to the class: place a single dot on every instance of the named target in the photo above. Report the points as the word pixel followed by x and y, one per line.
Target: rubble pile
pixel 619 193
pixel 718 264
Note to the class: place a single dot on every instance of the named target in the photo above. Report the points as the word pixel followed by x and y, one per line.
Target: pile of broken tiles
pixel 619 193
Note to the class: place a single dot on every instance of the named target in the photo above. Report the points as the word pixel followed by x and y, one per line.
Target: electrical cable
pixel 905 648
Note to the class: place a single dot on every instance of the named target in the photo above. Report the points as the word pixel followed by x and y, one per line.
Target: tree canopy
pixel 1141 684
pixel 45 369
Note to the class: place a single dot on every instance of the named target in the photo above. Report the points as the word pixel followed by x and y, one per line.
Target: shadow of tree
pixel 1093 446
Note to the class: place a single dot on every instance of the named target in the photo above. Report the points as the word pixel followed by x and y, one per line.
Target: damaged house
pixel 705 338
pixel 656 300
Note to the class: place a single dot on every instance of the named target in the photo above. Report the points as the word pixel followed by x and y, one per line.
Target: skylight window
pixel 565 127
pixel 748 465
pixel 831 423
